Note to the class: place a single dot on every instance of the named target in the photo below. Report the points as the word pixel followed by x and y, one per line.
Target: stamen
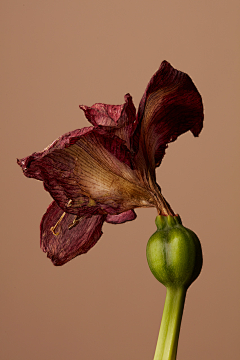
pixel 74 223
pixel 57 223
pixel 69 203
pixel 60 219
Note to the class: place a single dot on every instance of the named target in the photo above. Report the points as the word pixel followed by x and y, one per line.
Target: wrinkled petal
pixel 63 236
pixel 170 106
pixel 120 119
pixel 89 173
pixel 29 163
pixel 121 218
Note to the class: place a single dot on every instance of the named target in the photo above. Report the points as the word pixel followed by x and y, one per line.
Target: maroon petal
pixel 88 172
pixel 64 236
pixel 120 119
pixel 121 218
pixel 111 115
pixel 29 163
pixel 103 114
pixel 170 106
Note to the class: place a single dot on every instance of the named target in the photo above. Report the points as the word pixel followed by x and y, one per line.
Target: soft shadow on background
pixel 106 304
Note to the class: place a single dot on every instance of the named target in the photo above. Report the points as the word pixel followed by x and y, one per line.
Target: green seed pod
pixel 174 253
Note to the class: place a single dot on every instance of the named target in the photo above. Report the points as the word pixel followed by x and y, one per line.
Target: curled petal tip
pixel 127 97
pixel 83 107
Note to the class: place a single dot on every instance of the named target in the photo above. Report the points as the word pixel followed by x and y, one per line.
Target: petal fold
pixel 63 236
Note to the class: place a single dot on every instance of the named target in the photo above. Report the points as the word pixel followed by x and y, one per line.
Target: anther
pixel 69 203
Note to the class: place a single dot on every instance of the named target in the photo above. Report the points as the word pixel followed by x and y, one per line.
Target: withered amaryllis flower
pixel 101 173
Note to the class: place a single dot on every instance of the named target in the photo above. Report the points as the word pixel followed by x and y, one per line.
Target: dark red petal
pixel 91 174
pixel 111 115
pixel 170 106
pixel 119 119
pixel 32 171
pixel 62 239
pixel 103 114
pixel 121 218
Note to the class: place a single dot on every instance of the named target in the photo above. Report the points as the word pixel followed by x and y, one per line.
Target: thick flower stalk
pixel 102 173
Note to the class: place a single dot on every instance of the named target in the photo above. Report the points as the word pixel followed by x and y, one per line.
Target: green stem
pixel 170 326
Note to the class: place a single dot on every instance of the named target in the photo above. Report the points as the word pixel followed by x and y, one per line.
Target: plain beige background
pixel 104 305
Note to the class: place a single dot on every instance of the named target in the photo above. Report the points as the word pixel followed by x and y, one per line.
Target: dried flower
pixel 101 173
